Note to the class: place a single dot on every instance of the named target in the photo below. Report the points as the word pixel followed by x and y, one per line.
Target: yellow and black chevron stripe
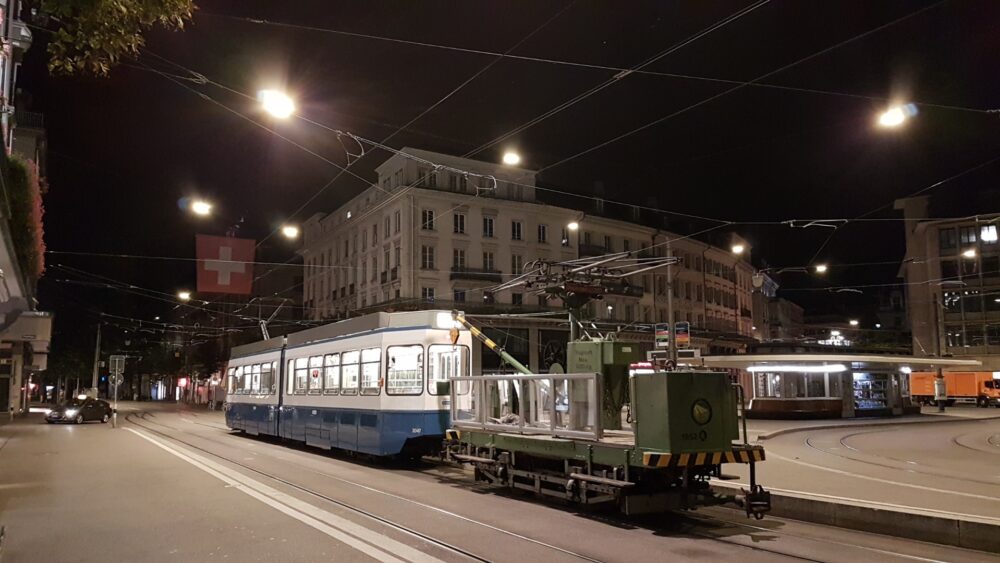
pixel 740 455
pixel 452 434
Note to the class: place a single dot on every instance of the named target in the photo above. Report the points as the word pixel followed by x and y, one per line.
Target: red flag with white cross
pixel 225 264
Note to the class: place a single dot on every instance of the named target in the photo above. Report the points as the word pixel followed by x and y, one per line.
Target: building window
pixel 427 257
pixel 458 259
pixel 397 179
pixel 626 246
pixel 946 240
pixel 543 233
pixel 488 227
pixel 698 295
pixel 967 235
pixel 488 261
pixel 586 238
pixel 458 223
pixel 949 269
pixel 988 234
pixel 385 263
pixel 517 192
pixel 387 232
pixel 516 264
pixel 607 242
pixel 374 268
pixel 459 296
pixel 427 219
pixel 398 219
pixel 517 298
pixel 364 240
pixel 453 182
pixel 374 235
pixel 565 237
pixel 398 258
pixel 427 293
pixel 386 186
pixel 515 230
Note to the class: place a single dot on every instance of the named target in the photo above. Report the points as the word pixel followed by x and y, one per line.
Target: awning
pixel 856 361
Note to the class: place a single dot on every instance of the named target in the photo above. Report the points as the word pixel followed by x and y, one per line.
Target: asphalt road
pixel 175 485
pixel 951 467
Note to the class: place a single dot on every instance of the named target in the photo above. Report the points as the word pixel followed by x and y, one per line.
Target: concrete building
pixel 25 333
pixel 425 237
pixel 952 275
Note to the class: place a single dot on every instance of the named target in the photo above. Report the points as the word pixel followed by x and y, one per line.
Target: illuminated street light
pixel 290 231
pixel 573 226
pixel 970 253
pixel 511 158
pixel 821 268
pixel 737 249
pixel 853 322
pixel 276 103
pixel 201 207
pixel 896 115
pixel 184 295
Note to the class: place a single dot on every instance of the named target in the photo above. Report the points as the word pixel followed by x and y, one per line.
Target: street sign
pixel 683 331
pixel 117 364
pixel 662 335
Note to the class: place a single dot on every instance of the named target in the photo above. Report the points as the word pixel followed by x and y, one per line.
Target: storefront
pixel 829 385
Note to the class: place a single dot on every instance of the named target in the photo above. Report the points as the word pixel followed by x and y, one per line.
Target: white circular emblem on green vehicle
pixel 701 412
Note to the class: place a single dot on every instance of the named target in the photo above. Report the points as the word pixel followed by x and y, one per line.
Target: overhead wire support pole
pixel 670 305
pixel 460 318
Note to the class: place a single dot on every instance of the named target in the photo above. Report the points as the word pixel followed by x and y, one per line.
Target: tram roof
pixel 856 361
pixel 356 325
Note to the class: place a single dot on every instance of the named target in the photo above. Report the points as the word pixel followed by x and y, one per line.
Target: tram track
pixel 690 521
pixel 912 466
pixel 350 507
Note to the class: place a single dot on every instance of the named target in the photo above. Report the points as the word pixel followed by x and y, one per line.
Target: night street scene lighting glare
pixel 896 115
pixel 970 253
pixel 737 249
pixel 573 225
pixel 276 103
pixel 201 207
pixel 853 322
pixel 820 268
pixel 184 295
pixel 511 158
pixel 290 231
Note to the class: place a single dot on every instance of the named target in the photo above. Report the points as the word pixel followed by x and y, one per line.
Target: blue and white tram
pixel 376 384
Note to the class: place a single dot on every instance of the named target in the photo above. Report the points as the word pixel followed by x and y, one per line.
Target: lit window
pixel 349 372
pixel 405 372
pixel 988 234
pixel 370 369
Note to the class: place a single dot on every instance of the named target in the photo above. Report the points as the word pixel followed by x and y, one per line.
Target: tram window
pixel 371 361
pixel 316 374
pixel 290 377
pixel 405 370
pixel 230 380
pixel 266 378
pixel 444 361
pixel 248 379
pixel 301 375
pixel 255 375
pixel 331 375
pixel 349 372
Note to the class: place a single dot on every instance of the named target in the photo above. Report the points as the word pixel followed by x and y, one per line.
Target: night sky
pixel 123 150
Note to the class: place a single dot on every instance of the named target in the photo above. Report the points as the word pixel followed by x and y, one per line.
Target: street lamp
pixel 853 322
pixel 201 207
pixel 737 249
pixel 970 253
pixel 290 232
pixel 573 226
pixel 896 115
pixel 821 268
pixel 276 103
pixel 184 295
pixel 511 158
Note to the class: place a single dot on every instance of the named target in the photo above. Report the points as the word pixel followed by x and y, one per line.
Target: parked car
pixel 79 411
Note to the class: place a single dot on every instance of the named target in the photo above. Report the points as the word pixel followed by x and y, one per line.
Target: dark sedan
pixel 78 411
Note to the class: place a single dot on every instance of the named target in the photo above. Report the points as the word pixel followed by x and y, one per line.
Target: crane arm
pixel 460 319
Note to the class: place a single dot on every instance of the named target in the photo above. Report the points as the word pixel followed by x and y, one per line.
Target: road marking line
pixel 341 529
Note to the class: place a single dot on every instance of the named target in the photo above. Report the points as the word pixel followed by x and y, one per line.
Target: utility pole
pixel 97 360
pixel 670 305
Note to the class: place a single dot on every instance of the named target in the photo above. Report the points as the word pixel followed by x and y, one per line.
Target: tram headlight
pixel 446 321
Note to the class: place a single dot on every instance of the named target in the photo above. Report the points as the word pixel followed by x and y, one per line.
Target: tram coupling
pixel 756 501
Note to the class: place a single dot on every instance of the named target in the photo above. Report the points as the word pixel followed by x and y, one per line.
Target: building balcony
pixel 475 274
pixel 384 277
pixel 29 119
pixel 394 273
pixel 593 250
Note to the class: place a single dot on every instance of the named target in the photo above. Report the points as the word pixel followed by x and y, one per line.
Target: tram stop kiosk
pixel 808 385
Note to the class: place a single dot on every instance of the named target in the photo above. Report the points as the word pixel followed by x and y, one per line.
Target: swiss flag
pixel 225 264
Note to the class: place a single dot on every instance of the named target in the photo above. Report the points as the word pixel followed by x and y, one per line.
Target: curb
pixel 945 528
pixel 940 420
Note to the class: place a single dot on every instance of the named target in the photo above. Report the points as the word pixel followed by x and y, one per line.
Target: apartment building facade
pixel 424 238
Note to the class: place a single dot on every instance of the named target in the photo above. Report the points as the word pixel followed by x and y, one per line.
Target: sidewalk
pixel 759 429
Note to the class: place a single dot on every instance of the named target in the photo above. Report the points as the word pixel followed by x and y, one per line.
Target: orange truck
pixel 963 386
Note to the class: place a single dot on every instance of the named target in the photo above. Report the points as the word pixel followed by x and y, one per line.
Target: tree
pixel 92 36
